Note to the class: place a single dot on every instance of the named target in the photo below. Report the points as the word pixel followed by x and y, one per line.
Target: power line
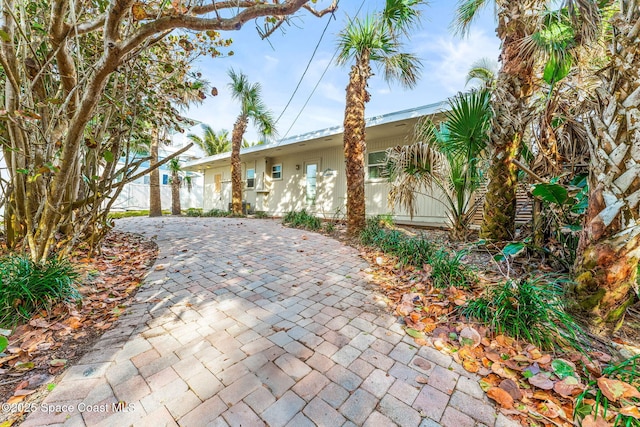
pixel 308 65
pixel 318 83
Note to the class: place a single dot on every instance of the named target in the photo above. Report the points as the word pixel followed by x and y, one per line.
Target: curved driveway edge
pixel 244 322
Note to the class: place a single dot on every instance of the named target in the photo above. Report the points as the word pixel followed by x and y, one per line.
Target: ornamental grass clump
pixel 27 287
pixel 531 309
pixel 447 268
pixel 302 219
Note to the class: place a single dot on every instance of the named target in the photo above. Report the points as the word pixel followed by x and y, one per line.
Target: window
pixel 217 183
pixel 146 179
pixel 165 179
pixel 276 172
pixel 251 178
pixel 376 164
pixel 311 170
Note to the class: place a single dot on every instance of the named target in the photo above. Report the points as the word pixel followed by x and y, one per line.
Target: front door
pixel 311 174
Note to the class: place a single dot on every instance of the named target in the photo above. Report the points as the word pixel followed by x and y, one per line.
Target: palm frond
pixel 357 38
pixel 483 70
pixel 252 105
pixel 402 16
pixel 466 12
pixel 402 67
pixel 412 169
pixel 212 143
pixel 587 19
pixel 468 121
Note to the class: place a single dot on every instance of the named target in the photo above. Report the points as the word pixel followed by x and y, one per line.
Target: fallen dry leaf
pixel 541 381
pixel 471 366
pixel 15 399
pixel 469 336
pixel 422 380
pixel 567 386
pixel 630 411
pixel 590 421
pixel 503 398
pixel 512 388
pixel 23 392
pixel 616 389
pixel 422 363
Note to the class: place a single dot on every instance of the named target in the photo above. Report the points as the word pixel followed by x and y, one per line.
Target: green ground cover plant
pixel 447 268
pixel 302 219
pixel 532 309
pixel 27 287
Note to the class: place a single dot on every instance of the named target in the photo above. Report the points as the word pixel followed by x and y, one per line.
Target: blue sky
pixel 278 65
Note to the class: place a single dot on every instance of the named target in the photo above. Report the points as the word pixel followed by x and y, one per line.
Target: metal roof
pixel 331 131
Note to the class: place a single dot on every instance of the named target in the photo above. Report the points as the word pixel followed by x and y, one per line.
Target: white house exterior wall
pixel 277 197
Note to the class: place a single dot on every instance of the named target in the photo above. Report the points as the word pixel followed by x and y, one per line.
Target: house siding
pixel 277 197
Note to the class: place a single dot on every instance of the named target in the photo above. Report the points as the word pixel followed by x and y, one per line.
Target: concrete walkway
pixel 247 323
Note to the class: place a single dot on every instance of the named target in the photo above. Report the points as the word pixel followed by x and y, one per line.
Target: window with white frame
pixel 276 171
pixel 251 178
pixel 376 164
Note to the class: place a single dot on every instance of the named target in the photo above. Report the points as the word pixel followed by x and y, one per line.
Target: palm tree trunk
pixel 155 204
pixel 176 209
pixel 609 250
pixel 355 144
pixel 510 117
pixel 239 129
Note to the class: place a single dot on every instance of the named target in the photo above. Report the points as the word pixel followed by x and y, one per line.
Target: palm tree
pixel 483 73
pixel 606 268
pixel 212 142
pixel 251 107
pixel 374 39
pixel 447 158
pixel 155 203
pixel 248 144
pixel 176 181
pixel 517 21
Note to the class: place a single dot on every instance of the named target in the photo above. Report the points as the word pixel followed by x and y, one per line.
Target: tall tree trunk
pixel 155 201
pixel 355 144
pixel 176 209
pixel 607 262
pixel 239 129
pixel 514 86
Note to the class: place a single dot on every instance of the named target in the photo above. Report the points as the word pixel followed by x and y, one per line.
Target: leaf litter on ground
pixel 44 347
pixel 532 386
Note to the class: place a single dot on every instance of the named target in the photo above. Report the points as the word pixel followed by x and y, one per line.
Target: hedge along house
pixel 308 172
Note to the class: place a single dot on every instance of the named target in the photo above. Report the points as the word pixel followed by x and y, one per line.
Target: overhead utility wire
pixel 308 64
pixel 318 83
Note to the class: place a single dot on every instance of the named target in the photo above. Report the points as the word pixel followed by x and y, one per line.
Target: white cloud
pixel 270 63
pixel 331 91
pixel 447 59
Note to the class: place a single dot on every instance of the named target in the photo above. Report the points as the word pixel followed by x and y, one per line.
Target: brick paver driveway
pixel 246 323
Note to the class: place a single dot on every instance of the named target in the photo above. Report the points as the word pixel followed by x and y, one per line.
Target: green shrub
pixel 447 268
pixel 195 212
pixel 27 287
pixel 261 214
pixel 329 227
pixel 128 214
pixel 531 309
pixel 302 220
pixel 218 213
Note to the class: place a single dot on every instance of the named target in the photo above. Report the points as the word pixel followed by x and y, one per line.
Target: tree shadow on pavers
pixel 227 311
